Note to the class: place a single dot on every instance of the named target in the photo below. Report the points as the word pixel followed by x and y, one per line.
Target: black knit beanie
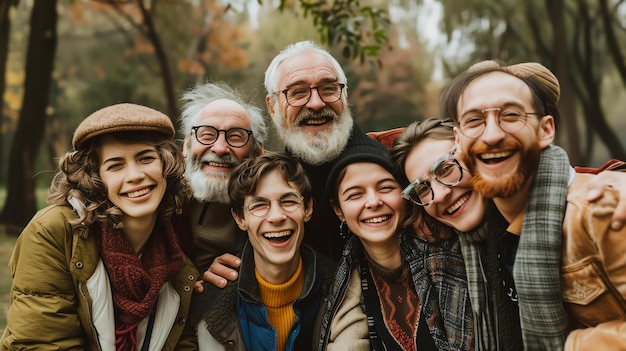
pixel 361 148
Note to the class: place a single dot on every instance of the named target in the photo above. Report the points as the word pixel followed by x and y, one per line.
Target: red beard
pixel 502 187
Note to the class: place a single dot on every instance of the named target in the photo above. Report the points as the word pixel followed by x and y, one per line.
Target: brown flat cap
pixel 121 118
pixel 527 70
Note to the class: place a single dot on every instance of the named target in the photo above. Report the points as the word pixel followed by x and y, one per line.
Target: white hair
pixel 271 73
pixel 201 95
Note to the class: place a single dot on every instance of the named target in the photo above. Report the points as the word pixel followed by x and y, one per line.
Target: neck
pixel 138 230
pixel 276 273
pixel 512 206
pixel 387 255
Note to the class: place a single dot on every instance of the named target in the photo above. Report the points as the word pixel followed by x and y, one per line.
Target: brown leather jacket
pixel 593 271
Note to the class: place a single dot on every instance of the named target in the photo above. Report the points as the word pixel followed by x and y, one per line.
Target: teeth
pixel 218 164
pixel 138 193
pixel 502 154
pixel 377 219
pixel 273 235
pixel 458 204
pixel 315 121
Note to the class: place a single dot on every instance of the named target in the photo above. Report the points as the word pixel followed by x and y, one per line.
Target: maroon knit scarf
pixel 136 281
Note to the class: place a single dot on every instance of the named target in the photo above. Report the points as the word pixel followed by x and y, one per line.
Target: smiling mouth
pixel 458 204
pixel 315 121
pixel 278 237
pixel 138 193
pixel 495 157
pixel 217 164
pixel 378 219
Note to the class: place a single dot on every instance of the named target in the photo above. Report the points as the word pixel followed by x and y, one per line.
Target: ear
pixel 270 106
pixel 546 132
pixel 261 149
pixel 185 147
pixel 241 222
pixel 337 210
pixel 308 211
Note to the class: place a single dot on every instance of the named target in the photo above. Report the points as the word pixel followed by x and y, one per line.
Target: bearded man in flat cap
pixel 545 269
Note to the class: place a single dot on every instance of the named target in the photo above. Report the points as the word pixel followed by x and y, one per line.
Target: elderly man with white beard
pixel 221 130
pixel 307 100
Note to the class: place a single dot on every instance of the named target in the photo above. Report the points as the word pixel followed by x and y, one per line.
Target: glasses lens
pixel 290 202
pixel 419 193
pixel 448 172
pixel 512 120
pixel 206 135
pixel 329 92
pixel 259 207
pixel 472 125
pixel 237 137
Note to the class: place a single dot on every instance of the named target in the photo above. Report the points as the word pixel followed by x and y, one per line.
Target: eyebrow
pixel 321 81
pixel 139 154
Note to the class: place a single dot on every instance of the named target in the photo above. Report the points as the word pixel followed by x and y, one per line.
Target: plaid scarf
pixel 136 281
pixel 538 260
pixel 536 269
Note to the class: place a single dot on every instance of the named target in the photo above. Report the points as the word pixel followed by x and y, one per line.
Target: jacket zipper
pixel 93 329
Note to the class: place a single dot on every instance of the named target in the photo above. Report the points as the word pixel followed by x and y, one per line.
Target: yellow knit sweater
pixel 278 301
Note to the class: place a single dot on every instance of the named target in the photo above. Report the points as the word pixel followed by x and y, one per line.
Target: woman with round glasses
pixel 439 182
pixel 411 295
pixel 275 303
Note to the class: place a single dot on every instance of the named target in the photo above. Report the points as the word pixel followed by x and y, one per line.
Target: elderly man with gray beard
pixel 220 131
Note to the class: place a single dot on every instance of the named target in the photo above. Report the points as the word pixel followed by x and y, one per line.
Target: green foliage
pixel 361 30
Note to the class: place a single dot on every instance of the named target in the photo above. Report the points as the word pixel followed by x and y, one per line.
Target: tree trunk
pixel 42 42
pixel 5 26
pixel 562 69
pixel 168 85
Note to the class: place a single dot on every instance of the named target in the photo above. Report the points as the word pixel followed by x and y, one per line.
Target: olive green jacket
pixel 51 306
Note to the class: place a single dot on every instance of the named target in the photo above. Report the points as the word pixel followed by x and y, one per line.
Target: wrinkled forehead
pixel 494 89
pixel 307 67
pixel 224 113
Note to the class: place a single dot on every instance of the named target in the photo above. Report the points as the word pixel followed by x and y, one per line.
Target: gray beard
pixel 208 186
pixel 211 187
pixel 320 147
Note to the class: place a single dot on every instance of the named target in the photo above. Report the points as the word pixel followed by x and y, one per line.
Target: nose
pixel 493 133
pixel 440 192
pixel 220 146
pixel 134 172
pixel 276 214
pixel 315 101
pixel 372 200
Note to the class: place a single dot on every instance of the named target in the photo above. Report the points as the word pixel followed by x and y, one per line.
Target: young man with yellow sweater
pixel 281 291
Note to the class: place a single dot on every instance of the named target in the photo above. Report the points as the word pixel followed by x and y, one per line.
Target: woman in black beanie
pixel 392 290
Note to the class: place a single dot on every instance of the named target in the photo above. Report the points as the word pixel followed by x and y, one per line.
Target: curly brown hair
pixel 77 181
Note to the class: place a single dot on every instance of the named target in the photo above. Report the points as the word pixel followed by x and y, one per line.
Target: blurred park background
pixel 60 60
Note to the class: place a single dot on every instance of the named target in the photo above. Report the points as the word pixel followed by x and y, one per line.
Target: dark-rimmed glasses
pixel 299 95
pixel 260 206
pixel 447 171
pixel 235 137
pixel 511 119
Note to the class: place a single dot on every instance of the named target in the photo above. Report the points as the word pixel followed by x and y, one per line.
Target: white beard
pixel 209 186
pixel 320 147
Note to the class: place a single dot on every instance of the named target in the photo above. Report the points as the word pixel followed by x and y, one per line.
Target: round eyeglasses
pixel 511 119
pixel 235 137
pixel 447 171
pixel 260 206
pixel 299 95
